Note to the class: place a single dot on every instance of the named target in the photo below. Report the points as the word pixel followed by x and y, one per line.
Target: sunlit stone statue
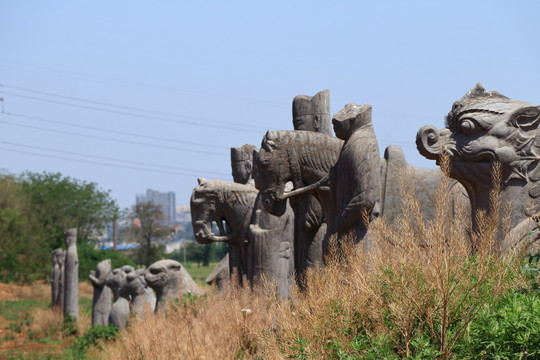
pixel 142 297
pixel 57 278
pixel 356 178
pixel 482 128
pixel 310 113
pixel 170 281
pixel 101 302
pixel 71 275
pixel 116 279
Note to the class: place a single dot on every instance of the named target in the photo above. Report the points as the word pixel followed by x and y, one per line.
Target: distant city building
pixel 167 201
pixel 183 214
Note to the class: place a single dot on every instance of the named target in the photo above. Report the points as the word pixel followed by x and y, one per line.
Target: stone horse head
pixel 303 157
pixel 227 204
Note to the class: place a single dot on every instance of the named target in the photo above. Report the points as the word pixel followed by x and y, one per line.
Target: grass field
pixel 199 274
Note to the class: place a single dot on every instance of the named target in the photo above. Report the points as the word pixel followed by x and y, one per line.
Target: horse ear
pixel 202 181
pixel 268 142
pixel 526 118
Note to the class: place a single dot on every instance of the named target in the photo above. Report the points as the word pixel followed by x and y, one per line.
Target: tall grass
pixel 411 292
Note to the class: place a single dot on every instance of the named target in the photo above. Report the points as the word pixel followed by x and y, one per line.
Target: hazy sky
pixel 138 94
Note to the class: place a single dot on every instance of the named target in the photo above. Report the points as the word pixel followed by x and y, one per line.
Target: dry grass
pixel 226 325
pixel 415 287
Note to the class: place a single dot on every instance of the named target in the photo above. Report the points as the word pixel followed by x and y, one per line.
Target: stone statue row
pixel 65 276
pixel 299 189
pixel 132 290
pixel 304 186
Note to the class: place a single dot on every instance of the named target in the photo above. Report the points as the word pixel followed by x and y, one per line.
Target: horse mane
pixel 315 150
pixel 230 192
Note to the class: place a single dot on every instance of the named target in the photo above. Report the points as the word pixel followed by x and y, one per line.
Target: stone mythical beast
pixel 482 128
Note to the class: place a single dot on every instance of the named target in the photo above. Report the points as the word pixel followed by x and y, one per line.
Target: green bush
pixel 89 339
pixel 89 257
pixel 509 329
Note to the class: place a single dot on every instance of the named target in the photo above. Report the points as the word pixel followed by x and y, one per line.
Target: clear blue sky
pixel 190 79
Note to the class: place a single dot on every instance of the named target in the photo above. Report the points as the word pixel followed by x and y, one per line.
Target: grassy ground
pixel 199 274
pixel 30 329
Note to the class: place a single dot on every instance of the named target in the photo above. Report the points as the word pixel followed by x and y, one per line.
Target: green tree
pixel 21 242
pixel 148 228
pixel 62 202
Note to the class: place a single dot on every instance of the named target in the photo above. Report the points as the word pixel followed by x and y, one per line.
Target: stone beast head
pixel 221 202
pixel 485 127
pixel 302 157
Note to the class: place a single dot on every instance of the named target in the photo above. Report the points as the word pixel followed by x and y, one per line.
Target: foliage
pixel 35 209
pixel 89 257
pixel 62 202
pixel 92 338
pixel 508 329
pixel 148 228
pixel 22 245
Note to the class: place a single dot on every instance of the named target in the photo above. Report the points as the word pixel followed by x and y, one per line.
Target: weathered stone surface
pixel 57 278
pixel 101 302
pixel 424 182
pixel 356 176
pixel 115 280
pixel 141 296
pixel 271 248
pixel 312 113
pixel 71 275
pixel 242 163
pixel 170 281
pixel 224 202
pixel 309 114
pixel 220 275
pixel 485 127
pixel 300 157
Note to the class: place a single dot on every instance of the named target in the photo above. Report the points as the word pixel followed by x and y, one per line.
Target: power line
pixel 166 88
pixel 99 163
pixel 116 140
pixel 196 172
pixel 125 107
pixel 176 121
pixel 116 131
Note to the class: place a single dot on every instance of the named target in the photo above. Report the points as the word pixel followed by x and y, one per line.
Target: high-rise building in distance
pixel 167 201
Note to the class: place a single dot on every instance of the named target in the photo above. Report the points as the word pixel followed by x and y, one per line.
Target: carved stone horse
pixel 303 157
pixel 260 244
pixel 230 206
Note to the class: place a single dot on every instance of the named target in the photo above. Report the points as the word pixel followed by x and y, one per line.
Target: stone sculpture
pixel 170 281
pixel 220 275
pixel 231 206
pixel 101 302
pixel 312 113
pixel 284 151
pixel 115 280
pixel 356 176
pixel 242 163
pixel 482 128
pixel 271 248
pixel 224 202
pixel 309 114
pixel 71 275
pixel 136 289
pixel 57 278
pixel 424 183
pixel 300 157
